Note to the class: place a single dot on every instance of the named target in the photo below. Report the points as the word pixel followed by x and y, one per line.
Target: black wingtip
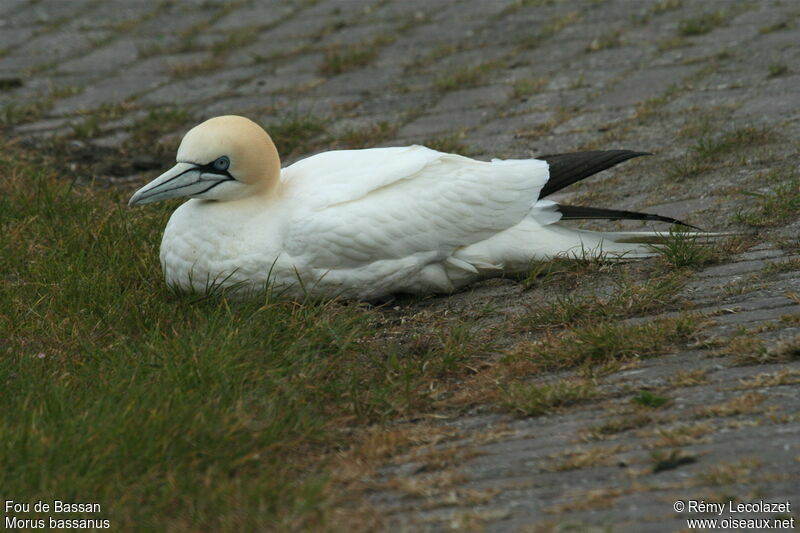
pixel 566 169
pixel 576 212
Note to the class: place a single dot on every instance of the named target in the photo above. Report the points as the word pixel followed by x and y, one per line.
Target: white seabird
pixel 364 224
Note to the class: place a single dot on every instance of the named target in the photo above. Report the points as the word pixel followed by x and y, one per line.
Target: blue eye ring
pixel 221 163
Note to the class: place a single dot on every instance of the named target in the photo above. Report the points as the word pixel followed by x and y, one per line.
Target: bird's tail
pixel 558 240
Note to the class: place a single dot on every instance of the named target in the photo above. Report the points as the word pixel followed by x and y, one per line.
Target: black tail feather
pixel 566 169
pixel 576 212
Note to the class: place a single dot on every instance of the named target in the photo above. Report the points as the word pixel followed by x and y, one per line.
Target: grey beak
pixel 184 179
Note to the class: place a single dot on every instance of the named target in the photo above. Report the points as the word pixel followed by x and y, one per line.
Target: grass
pixel 663 461
pixel 188 70
pixel 785 376
pixel 602 343
pixel 452 144
pixel 366 136
pixel 660 7
pixel 729 473
pixel 158 122
pixel 171 409
pixel 689 378
pixel 746 403
pixel 569 267
pixel 538 399
pixel 551 28
pixel 702 24
pixel 778 26
pixel 778 69
pixel 581 459
pixel 295 132
pixel 683 248
pixel 713 150
pixel 609 40
pixel 779 205
pixel 649 399
pixel 672 43
pixel 465 77
pixel 619 424
pixel 88 128
pixel 528 86
pixel 344 59
pixel 15 114
pixel 679 435
pixel 789 265
pixel 626 299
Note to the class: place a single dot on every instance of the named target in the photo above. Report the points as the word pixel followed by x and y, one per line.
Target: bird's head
pixel 224 158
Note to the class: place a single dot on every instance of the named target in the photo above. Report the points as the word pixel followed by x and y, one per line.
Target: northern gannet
pixel 364 224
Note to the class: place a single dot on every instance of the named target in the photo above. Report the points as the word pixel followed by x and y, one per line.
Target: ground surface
pixel 711 88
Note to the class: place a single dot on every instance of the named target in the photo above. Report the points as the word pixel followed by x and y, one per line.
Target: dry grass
pixel 538 399
pixel 732 473
pixel 681 435
pixel 580 459
pixel 746 403
pixel 785 376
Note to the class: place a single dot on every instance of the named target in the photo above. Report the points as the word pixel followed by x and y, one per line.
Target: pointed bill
pixel 184 179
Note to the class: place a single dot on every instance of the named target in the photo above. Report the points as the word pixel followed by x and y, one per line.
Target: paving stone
pixel 143 76
pixel 8 8
pixel 105 59
pixel 643 85
pixel 261 15
pixel 42 125
pixel 431 125
pixel 61 44
pixel 11 37
pixel 43 13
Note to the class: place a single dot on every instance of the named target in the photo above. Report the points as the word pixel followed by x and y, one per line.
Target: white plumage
pixel 353 223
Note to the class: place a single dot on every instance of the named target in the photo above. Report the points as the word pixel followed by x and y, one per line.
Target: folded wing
pixel 353 207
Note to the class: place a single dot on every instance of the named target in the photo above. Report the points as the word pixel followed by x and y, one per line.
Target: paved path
pixel 712 88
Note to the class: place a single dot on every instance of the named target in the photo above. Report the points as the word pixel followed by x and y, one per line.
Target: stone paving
pixel 712 88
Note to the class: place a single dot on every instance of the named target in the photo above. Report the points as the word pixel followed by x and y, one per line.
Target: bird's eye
pixel 222 163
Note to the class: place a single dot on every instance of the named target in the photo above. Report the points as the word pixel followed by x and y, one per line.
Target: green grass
pixel 627 299
pixel 466 77
pixel 15 114
pixel 175 411
pixel 568 268
pixel 451 144
pixel 777 69
pixel 344 59
pixel 534 399
pixel 778 26
pixel 553 27
pixel 684 248
pixel 779 205
pixel 702 24
pixel 790 265
pixel 650 399
pixel 366 136
pixel 602 343
pixel 158 122
pixel 672 43
pixel 295 132
pixel 528 86
pixel 713 150
pixel 88 128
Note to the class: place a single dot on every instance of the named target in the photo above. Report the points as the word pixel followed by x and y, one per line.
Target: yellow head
pixel 224 158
